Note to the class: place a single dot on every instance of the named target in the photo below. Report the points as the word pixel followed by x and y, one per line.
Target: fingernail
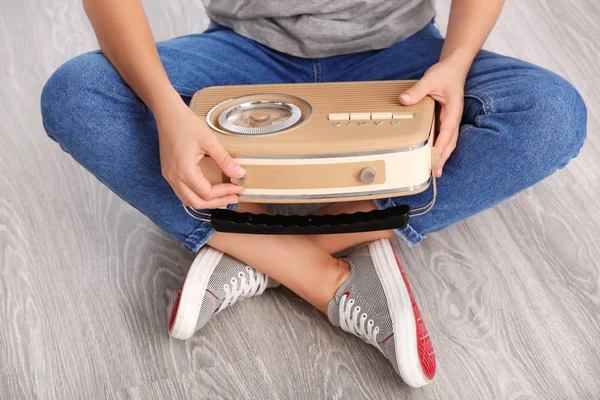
pixel 223 207
pixel 239 170
pixel 405 97
pixel 439 173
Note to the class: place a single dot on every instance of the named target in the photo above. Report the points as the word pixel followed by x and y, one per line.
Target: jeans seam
pixel 316 70
pixel 193 242
pixel 320 71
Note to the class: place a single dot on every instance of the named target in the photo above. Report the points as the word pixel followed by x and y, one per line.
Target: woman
pixel 123 114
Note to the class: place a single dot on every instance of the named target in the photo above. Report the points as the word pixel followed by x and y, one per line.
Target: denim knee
pixel 67 99
pixel 61 93
pixel 562 118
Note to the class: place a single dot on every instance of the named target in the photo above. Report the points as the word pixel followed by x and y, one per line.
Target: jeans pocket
pixel 474 106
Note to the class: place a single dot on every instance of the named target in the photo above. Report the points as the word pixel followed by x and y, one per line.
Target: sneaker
pixel 215 281
pixel 376 304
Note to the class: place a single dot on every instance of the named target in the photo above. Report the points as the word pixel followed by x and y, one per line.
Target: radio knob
pixel 239 181
pixel 367 175
pixel 259 116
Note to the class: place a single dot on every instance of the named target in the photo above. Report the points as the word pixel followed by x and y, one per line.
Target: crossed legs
pixel 520 124
pixel 302 263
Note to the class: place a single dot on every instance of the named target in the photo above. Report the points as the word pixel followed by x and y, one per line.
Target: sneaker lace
pixel 251 284
pixel 358 326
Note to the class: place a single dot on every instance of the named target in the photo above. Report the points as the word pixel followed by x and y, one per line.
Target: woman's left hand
pixel 445 83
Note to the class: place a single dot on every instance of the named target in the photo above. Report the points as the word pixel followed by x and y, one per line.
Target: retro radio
pixel 319 142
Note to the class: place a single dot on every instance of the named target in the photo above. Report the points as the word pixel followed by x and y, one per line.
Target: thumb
pixel 415 93
pixel 223 159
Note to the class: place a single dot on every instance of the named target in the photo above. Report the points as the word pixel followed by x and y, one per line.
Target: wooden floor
pixel 511 296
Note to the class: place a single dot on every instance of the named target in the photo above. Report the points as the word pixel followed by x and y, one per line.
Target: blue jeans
pixel 520 123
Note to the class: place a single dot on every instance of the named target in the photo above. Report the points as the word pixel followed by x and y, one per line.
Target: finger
pixel 195 179
pixel 447 149
pixel 445 155
pixel 450 117
pixel 194 201
pixel 224 161
pixel 415 93
pixel 187 195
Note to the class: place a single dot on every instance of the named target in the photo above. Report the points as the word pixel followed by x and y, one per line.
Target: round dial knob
pixel 367 175
pixel 259 116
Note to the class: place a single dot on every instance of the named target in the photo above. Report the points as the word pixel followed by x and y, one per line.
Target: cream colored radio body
pixel 321 142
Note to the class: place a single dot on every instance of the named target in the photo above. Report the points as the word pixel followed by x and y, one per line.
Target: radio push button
pixel 403 116
pixel 339 117
pixel 381 115
pixel 357 116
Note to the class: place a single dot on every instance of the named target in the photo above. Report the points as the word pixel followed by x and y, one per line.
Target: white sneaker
pixel 376 304
pixel 215 281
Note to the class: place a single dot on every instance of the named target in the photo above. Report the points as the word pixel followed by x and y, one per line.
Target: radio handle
pixel 243 222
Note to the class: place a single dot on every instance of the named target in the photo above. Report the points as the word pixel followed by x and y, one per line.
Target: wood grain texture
pixel 511 296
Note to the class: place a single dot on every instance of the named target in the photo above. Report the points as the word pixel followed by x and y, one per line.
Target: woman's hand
pixel 444 82
pixel 184 140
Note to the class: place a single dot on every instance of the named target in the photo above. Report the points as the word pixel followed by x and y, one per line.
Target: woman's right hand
pixel 184 140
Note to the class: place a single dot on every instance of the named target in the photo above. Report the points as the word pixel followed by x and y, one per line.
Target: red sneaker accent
pixel 174 309
pixel 213 295
pixel 424 346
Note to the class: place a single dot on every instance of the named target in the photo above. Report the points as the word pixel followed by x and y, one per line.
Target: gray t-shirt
pixel 323 28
